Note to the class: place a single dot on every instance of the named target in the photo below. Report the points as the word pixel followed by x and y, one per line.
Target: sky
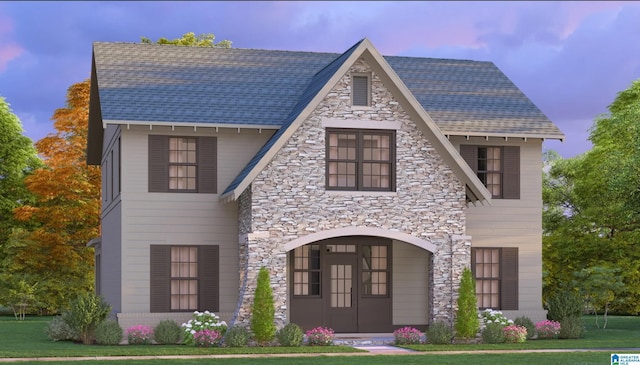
pixel 571 58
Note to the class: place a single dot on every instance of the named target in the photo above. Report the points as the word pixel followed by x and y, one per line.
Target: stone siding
pixel 288 200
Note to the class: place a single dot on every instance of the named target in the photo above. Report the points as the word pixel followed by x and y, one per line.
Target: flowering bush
pixel 513 333
pixel 203 321
pixel 548 329
pixel 206 338
pixel 407 336
pixel 491 316
pixel 139 335
pixel 320 336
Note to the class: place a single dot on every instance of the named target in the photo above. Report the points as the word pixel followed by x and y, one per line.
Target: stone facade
pixel 288 200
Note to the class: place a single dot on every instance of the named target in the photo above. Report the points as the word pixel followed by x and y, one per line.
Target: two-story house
pixel 365 183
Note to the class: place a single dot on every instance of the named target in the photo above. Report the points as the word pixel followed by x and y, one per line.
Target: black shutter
pixel 360 91
pixel 207 165
pixel 511 173
pixel 209 277
pixel 160 288
pixel 509 278
pixel 470 155
pixel 158 163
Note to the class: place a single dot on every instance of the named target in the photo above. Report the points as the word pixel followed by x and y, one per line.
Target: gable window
pixel 182 164
pixel 498 167
pixel 360 160
pixel 496 275
pixel 360 91
pixel 184 278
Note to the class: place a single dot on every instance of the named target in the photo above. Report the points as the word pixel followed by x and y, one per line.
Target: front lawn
pixel 27 339
pixel 621 332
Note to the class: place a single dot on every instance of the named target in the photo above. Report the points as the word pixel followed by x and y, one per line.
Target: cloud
pixel 9 50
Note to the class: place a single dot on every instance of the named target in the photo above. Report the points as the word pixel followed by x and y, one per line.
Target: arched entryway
pixel 346 282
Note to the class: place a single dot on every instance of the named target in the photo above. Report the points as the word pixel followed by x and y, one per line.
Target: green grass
pixel 576 358
pixel 621 332
pixel 27 339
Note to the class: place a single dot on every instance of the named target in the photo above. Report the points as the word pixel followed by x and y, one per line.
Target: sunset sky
pixel 569 58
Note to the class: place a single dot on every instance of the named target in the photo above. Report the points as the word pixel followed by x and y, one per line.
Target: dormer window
pixel 360 90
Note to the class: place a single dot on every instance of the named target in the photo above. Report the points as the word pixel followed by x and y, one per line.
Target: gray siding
pixel 111 229
pixel 180 218
pixel 515 222
pixel 410 284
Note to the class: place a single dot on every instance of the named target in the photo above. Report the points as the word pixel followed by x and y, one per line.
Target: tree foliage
pixel 592 204
pixel 191 40
pixel 66 211
pixel 467 323
pixel 263 309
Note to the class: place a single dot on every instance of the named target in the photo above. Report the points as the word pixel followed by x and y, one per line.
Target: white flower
pixel 193 332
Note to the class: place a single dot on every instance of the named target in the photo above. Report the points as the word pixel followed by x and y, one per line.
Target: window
pixel 184 278
pixel 360 90
pixel 182 164
pixel 496 274
pixel 497 167
pixel 375 270
pixel 360 160
pixel 306 270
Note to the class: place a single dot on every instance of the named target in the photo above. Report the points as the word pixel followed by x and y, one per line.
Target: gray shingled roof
pixel 164 83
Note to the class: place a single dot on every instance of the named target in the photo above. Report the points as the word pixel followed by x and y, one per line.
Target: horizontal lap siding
pixel 180 218
pixel 515 222
pixel 410 284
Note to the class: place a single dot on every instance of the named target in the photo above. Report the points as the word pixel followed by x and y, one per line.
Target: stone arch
pixel 360 231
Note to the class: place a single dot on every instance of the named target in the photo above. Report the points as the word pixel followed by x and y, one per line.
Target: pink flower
pixel 320 336
pixel 139 335
pixel 548 329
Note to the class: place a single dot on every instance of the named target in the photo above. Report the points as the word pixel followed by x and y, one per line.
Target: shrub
pixel 407 336
pixel 548 329
pixel 493 333
pixel 571 327
pixel 59 330
pixel 439 333
pixel 290 335
pixel 467 323
pixel 514 333
pixel 564 304
pixel 320 336
pixel 167 332
pixel 139 335
pixel 263 310
pixel 207 338
pixel 237 337
pixel 202 321
pixel 84 314
pixel 108 332
pixel 492 316
pixel 527 323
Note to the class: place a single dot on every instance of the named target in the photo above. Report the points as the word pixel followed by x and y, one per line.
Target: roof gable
pixel 321 84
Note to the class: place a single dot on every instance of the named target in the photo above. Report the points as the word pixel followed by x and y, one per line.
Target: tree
pixel 263 309
pixel 467 323
pixel 592 204
pixel 191 40
pixel 18 159
pixel 599 286
pixel 66 211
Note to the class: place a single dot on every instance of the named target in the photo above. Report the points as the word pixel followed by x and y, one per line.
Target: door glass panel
pixel 341 286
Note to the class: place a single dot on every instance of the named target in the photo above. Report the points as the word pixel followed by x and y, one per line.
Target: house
pixel 365 183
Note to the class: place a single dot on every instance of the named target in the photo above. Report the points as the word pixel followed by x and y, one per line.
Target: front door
pixel 341 292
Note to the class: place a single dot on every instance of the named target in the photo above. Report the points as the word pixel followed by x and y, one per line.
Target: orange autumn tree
pixel 67 209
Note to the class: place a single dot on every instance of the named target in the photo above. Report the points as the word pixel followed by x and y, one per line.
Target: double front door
pixel 344 284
